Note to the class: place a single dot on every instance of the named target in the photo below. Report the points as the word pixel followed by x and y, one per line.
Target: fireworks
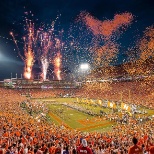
pixel 45 65
pixel 96 43
pixel 43 50
pixel 57 59
pixel 29 43
pixel 57 65
pixel 42 45
pixel 29 51
pixel 29 60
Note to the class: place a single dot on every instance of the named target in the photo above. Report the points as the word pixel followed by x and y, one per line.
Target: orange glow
pixel 57 65
pixel 28 63
pixel 29 43
pixel 28 51
pixel 107 27
pixel 27 75
pixel 146 44
pixel 108 30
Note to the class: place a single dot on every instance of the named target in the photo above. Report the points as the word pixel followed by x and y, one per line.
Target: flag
pixel 130 114
pixel 82 100
pixel 111 105
pixel 99 102
pixel 125 107
pixel 77 99
pixel 91 101
pixel 86 100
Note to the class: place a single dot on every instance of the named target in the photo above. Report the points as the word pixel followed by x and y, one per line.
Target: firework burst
pixel 57 66
pixel 29 44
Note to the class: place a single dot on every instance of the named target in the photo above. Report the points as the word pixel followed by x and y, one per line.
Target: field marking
pixel 59 120
pixel 79 129
pixel 94 126
pixel 90 121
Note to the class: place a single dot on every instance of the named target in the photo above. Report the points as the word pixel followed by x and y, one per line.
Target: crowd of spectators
pixel 136 92
pixel 21 133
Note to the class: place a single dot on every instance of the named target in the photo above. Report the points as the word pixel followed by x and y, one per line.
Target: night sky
pixel 12 13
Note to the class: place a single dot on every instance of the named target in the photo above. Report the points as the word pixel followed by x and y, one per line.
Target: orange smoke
pixel 57 66
pixel 108 30
pixel 107 27
pixel 108 51
pixel 146 44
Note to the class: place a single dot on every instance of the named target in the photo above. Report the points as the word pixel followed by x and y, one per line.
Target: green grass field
pixel 77 120
pixel 73 119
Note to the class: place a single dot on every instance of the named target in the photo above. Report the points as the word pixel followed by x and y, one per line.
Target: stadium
pixel 60 112
pixel 87 77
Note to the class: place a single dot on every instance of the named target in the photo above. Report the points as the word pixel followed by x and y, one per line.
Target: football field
pixel 62 114
pixel 73 119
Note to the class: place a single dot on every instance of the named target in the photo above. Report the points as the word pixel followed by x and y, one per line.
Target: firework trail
pixel 29 52
pixel 45 44
pixel 57 65
pixel 29 43
pixel 39 44
pixel 45 65
pixel 57 59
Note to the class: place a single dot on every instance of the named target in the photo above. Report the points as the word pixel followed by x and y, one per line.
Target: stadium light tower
pixel 84 67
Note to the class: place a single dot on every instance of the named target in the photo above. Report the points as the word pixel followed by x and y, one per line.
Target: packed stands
pixel 21 133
